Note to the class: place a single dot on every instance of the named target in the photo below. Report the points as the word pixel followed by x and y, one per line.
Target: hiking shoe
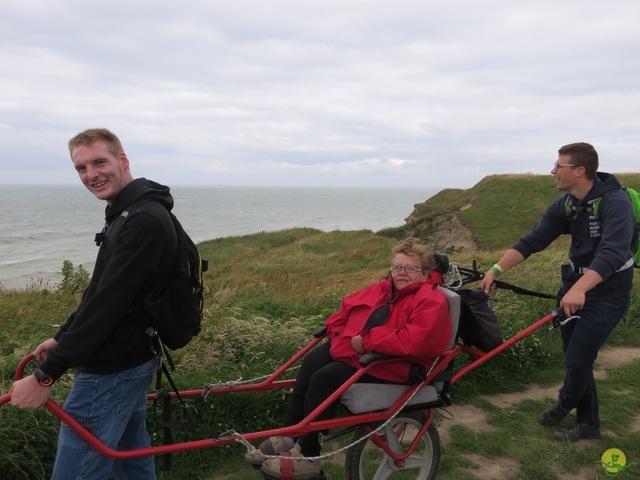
pixel 553 415
pixel 271 446
pixel 578 431
pixel 291 465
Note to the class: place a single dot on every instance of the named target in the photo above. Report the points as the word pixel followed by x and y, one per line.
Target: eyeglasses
pixel 560 165
pixel 406 268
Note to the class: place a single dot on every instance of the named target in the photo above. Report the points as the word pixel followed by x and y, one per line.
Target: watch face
pixel 42 378
pixel 46 381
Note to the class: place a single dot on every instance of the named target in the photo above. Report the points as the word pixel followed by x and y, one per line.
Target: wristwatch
pixel 42 378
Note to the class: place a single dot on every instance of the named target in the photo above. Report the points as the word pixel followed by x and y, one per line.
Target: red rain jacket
pixel 418 328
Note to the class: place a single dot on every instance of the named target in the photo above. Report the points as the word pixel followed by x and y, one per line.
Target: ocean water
pixel 41 226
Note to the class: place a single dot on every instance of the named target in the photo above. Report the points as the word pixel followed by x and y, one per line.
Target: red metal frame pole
pixel 501 348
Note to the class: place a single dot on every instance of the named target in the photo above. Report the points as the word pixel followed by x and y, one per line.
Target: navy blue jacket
pixel 104 335
pixel 602 244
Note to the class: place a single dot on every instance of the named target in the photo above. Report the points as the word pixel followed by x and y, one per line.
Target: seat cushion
pixel 371 397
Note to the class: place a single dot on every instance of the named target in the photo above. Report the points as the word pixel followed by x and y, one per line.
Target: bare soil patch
pixel 472 417
pixel 609 357
pixel 493 469
pixel 612 357
pixel 454 235
pixel 583 474
pixel 534 392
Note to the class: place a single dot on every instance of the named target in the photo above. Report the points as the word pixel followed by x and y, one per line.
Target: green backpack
pixel 634 196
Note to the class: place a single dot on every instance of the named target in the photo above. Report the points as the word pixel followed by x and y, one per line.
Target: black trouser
pixel 318 378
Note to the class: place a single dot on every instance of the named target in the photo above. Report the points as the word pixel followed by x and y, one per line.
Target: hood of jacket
pixel 604 182
pixel 139 189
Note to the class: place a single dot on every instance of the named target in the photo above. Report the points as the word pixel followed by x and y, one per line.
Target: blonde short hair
pixel 412 247
pixel 93 135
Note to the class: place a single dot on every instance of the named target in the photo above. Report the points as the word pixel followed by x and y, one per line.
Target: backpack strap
pixel 571 210
pixel 112 231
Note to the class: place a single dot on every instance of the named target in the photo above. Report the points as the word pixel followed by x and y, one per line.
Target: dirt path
pixel 475 418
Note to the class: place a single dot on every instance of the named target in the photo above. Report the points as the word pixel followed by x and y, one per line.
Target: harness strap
pixel 286 466
pixel 523 291
pixel 175 389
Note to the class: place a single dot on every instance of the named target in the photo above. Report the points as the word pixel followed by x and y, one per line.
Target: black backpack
pixel 479 325
pixel 176 309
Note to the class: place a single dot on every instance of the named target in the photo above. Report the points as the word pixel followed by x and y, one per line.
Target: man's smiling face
pixel 100 171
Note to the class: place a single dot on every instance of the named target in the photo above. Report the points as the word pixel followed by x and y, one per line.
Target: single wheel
pixel 365 461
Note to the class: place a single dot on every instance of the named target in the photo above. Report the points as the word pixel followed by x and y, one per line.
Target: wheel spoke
pixel 385 469
pixel 393 435
pixel 417 462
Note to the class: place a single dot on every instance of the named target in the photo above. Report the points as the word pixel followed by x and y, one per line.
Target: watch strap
pixel 42 378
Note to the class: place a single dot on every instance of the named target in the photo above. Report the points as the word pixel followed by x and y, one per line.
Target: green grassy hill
pixel 267 292
pixel 490 215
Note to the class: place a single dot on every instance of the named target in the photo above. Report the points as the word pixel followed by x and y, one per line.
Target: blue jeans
pixel 581 340
pixel 112 407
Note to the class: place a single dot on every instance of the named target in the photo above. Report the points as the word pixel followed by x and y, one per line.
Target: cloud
pixel 319 92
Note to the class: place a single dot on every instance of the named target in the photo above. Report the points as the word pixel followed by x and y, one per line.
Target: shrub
pixel 73 280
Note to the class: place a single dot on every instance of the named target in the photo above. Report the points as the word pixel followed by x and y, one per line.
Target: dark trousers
pixel 318 378
pixel 581 340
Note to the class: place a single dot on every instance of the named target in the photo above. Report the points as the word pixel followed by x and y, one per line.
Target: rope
pixel 251 449
pixel 207 388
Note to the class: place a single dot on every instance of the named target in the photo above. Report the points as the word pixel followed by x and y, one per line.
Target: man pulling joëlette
pixel 596 283
pixel 104 339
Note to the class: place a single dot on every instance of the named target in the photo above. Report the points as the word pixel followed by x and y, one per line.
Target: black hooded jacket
pixel 102 336
pixel 602 244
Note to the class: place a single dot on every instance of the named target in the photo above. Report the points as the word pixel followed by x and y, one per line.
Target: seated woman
pixel 404 315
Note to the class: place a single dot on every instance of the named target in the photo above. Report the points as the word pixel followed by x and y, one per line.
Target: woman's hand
pixel 356 343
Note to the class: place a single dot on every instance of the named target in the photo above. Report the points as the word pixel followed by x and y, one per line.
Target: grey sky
pixel 317 93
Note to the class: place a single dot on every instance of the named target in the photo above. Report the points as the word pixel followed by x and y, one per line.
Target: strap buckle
pixel 576 269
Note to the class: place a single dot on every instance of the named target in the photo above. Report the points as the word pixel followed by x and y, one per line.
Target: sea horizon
pixel 44 225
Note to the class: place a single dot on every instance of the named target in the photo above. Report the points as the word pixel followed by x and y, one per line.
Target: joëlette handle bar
pixel 99 446
pixel 558 318
pixel 88 437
